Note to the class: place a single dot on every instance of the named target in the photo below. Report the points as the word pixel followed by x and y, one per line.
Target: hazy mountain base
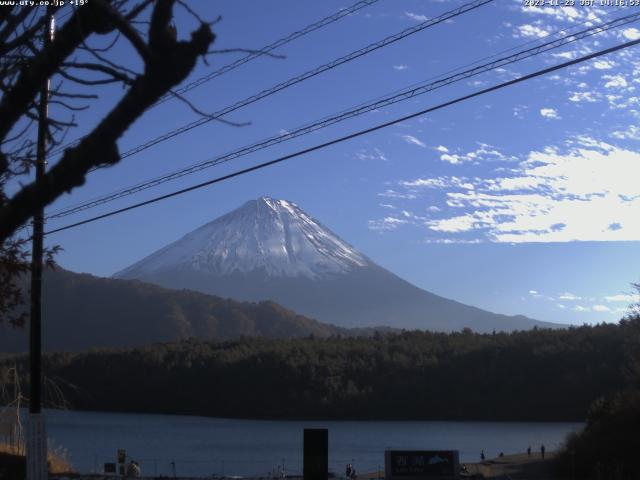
pixel 365 297
pixel 81 311
pixel 539 375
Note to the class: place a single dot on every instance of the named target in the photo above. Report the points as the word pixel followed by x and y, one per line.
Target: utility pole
pixel 36 435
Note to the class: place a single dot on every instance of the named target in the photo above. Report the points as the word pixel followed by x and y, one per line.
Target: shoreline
pixel 514 466
pixel 314 419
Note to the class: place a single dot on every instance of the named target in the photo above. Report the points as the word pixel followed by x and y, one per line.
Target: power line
pixel 355 135
pixel 307 75
pixel 251 56
pixel 276 139
pixel 405 94
pixel 277 44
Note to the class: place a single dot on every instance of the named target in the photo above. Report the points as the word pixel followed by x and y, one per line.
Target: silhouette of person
pixel 347 471
pixel 529 450
pixel 542 449
pixel 482 455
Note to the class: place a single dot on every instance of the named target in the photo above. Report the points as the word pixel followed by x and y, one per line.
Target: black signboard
pixel 421 464
pixel 316 454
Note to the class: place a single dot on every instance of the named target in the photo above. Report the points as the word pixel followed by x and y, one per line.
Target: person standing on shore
pixel 529 450
pixel 482 455
pixel 542 450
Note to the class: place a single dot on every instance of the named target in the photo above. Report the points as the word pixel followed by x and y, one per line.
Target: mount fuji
pixel 270 249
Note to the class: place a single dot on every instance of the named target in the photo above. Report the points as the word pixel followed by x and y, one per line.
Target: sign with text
pixel 421 464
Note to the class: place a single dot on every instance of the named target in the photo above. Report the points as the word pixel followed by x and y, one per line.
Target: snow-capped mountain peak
pixel 267 234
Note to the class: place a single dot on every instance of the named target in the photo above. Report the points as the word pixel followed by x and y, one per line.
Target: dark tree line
pixel 533 375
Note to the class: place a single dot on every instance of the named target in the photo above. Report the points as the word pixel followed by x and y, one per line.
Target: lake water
pixel 201 446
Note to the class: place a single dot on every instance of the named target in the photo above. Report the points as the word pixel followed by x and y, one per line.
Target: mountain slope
pixel 274 236
pixel 271 249
pixel 81 311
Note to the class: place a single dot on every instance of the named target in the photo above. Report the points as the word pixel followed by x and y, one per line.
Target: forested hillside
pixel 82 311
pixel 533 375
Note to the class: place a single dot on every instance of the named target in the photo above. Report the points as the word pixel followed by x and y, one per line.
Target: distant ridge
pixel 269 249
pixel 81 311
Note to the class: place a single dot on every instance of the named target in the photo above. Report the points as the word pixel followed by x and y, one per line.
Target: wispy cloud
pixel 569 296
pixel 585 191
pixel 631 33
pixel 400 67
pixel 395 219
pixel 615 81
pixel 550 113
pixel 484 152
pixel 531 31
pixel 410 139
pixel 374 154
pixel 416 16
pixel 623 297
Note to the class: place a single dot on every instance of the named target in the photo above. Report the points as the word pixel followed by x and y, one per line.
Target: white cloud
pixel 531 31
pixel 484 152
pixel 626 298
pixel 566 55
pixel 569 296
pixel 410 139
pixel 601 308
pixel 387 223
pixel 585 192
pixel 603 65
pixel 549 113
pixel 393 194
pixel 375 154
pixel 439 182
pixel 453 159
pixel 631 33
pixel 400 67
pixel 615 81
pixel 416 16
pixel 580 308
pixel 631 133
pixel 584 97
pixel 455 224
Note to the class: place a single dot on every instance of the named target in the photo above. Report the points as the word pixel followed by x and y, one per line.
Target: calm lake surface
pixel 202 446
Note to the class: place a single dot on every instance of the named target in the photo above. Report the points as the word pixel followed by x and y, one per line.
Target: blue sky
pixel 524 200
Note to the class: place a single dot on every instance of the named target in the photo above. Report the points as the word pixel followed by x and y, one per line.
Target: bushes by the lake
pixel 532 375
pixel 607 447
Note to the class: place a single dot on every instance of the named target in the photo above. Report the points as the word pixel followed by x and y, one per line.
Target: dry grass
pixel 517 467
pixel 10 449
pixel 57 458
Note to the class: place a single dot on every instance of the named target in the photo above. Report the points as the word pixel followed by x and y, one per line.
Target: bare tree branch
pixel 112 72
pixel 168 63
